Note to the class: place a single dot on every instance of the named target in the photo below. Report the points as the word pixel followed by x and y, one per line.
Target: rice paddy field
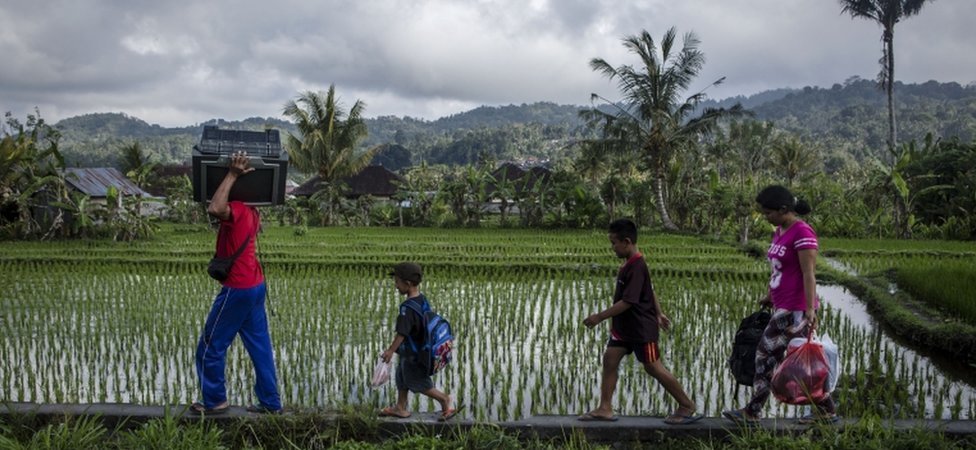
pixel 940 273
pixel 99 321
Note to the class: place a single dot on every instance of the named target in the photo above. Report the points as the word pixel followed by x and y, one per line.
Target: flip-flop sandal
pixel 590 417
pixel 812 419
pixel 739 417
pixel 681 419
pixel 448 414
pixel 261 409
pixel 390 412
pixel 198 408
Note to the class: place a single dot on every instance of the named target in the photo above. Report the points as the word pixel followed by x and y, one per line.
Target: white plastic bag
pixel 381 374
pixel 830 351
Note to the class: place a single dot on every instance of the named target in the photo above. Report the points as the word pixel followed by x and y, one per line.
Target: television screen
pixel 263 186
pixel 255 187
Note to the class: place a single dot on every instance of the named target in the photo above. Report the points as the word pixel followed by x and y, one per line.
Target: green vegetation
pixel 923 289
pixel 309 431
pixel 652 125
pixel 846 119
pixel 948 285
pixel 886 14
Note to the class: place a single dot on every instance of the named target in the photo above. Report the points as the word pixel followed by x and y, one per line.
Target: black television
pixel 264 186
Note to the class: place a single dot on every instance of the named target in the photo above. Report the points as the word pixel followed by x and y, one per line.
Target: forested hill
pixel 849 117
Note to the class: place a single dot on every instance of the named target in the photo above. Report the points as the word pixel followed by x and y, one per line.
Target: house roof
pixel 94 182
pixel 377 181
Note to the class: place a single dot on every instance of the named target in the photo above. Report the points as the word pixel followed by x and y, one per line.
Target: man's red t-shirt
pixel 242 226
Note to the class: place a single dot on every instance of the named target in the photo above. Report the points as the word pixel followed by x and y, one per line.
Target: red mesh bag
pixel 801 378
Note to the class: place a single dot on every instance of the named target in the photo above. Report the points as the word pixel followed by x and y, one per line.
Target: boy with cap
pixel 411 372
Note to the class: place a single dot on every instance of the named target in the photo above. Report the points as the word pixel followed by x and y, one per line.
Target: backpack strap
pixel 421 308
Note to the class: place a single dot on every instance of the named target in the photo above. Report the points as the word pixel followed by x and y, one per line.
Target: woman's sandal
pixel 811 419
pixel 740 417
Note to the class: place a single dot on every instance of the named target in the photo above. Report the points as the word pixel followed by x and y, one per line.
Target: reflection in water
pixel 942 372
pixel 521 349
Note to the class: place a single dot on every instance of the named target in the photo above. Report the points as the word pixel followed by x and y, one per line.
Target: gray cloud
pixel 181 62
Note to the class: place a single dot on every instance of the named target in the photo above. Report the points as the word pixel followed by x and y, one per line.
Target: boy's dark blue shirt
pixel 638 324
pixel 410 324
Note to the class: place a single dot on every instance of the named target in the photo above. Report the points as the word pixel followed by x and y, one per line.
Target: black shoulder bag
pixel 219 268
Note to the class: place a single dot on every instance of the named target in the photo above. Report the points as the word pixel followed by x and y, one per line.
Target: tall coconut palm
pixel 792 159
pixel 132 157
pixel 329 136
pixel 652 118
pixel 886 13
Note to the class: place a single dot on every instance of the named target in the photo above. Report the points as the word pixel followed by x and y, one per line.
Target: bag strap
pixel 241 249
pixel 420 308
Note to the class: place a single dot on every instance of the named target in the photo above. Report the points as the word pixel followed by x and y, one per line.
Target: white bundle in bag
pixel 833 360
pixel 381 374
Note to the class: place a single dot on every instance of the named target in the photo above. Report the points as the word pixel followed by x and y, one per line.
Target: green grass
pixel 940 273
pixel 949 285
pixel 308 432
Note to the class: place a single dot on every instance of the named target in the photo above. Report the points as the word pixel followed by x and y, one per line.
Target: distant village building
pixel 95 182
pixel 376 181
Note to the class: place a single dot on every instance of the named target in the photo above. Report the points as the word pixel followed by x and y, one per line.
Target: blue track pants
pixel 237 311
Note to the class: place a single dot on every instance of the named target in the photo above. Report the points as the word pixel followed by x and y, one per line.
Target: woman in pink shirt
pixel 792 257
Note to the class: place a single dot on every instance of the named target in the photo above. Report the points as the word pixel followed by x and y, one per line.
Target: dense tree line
pixel 695 163
pixel 847 120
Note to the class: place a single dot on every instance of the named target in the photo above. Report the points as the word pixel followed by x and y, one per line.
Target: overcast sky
pixel 178 62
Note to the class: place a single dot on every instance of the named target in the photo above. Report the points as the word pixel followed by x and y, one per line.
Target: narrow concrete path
pixel 626 429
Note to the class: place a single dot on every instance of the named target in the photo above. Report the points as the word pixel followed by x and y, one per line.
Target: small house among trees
pixel 95 182
pixel 376 181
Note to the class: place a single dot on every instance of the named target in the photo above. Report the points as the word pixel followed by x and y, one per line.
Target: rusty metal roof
pixel 94 182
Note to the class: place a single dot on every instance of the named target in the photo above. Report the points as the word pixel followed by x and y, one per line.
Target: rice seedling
pixel 109 322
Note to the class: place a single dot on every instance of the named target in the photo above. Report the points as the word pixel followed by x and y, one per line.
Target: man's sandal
pixel 199 408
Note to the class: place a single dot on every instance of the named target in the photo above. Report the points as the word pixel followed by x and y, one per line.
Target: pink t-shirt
pixel 786 280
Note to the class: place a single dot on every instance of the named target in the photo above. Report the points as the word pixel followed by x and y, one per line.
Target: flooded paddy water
pixel 86 324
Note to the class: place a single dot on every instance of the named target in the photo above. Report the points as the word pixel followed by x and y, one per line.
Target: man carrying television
pixel 239 306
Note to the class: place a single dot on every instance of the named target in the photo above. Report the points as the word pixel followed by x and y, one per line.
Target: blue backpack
pixel 437 349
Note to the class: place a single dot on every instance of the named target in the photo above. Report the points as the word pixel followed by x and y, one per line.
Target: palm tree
pixel 132 157
pixel 791 158
pixel 886 13
pixel 652 118
pixel 329 136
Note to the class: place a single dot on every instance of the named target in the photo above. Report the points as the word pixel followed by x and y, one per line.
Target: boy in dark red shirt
pixel 635 317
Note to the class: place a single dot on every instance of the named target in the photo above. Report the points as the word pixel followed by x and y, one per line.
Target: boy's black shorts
pixel 646 352
pixel 411 375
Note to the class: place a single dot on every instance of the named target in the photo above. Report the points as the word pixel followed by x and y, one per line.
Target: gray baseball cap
pixel 408 271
